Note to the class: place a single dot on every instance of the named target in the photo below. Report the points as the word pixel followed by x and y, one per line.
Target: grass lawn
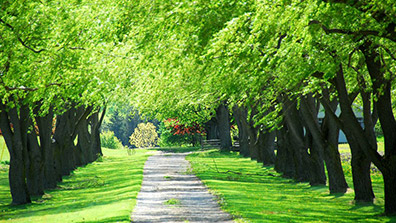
pixel 4 154
pixel 344 147
pixel 103 191
pixel 254 193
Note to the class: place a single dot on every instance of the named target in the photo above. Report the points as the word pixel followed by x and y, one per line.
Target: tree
pixel 54 61
pixel 273 62
pixel 145 135
pixel 172 132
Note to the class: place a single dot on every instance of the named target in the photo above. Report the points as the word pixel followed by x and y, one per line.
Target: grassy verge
pixel 344 147
pixel 100 192
pixel 178 149
pixel 4 155
pixel 257 194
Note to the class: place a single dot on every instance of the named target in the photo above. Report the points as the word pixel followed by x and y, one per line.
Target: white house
pixel 356 109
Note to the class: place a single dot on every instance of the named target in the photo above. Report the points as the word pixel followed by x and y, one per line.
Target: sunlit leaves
pixel 64 50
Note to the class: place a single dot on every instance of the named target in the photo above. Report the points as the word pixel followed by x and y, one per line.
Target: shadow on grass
pixel 101 192
pixel 109 220
pixel 178 149
pixel 257 193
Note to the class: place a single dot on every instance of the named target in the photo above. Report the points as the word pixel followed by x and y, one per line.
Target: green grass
pixel 172 201
pixel 4 154
pixel 100 192
pixel 344 147
pixel 178 149
pixel 253 193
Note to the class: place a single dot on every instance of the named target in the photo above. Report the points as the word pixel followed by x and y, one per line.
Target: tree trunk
pixel 359 143
pixel 253 147
pixel 35 168
pixel 280 159
pixel 96 122
pixel 16 141
pixel 79 150
pixel 390 191
pixel 242 131
pixel 309 113
pixel 296 133
pixel 95 137
pixel 361 174
pixel 330 130
pixel 266 144
pixel 84 143
pixel 223 120
pixel 64 143
pixel 45 129
pixel 284 162
pixel 316 164
pixel 382 86
pixel 211 129
pixel 55 147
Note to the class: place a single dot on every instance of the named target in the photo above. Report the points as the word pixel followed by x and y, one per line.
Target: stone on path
pixel 170 193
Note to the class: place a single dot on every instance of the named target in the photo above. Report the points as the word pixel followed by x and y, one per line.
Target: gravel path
pixel 170 193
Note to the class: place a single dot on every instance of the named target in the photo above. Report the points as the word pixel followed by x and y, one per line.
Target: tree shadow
pixel 107 183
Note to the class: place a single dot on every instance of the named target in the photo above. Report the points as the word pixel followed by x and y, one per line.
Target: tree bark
pixel 239 115
pixel 359 143
pixel 252 145
pixel 211 129
pixel 382 92
pixel 360 173
pixel 96 122
pixel 266 144
pixel 63 142
pixel 84 143
pixel 309 113
pixel 16 141
pixel 35 166
pixel 330 130
pixel 390 191
pixel 80 123
pixel 44 125
pixel 223 120
pixel 300 150
pixel 284 162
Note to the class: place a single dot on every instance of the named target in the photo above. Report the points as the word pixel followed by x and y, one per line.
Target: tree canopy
pixel 269 63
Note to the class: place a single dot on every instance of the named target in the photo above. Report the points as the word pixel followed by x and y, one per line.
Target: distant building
pixel 359 115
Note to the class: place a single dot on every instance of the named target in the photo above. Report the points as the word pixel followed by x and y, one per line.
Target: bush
pixel 108 140
pixel 145 135
pixel 169 139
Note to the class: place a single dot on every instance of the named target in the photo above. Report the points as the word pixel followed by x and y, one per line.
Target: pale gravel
pixel 166 176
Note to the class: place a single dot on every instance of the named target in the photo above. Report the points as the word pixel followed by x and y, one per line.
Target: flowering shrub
pixel 145 135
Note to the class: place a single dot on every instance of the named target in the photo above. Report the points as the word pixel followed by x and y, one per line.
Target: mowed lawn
pixel 104 191
pixel 253 193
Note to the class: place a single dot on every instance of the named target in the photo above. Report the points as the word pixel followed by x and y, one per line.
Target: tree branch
pixel 23 88
pixel 83 116
pixel 355 33
pixel 19 38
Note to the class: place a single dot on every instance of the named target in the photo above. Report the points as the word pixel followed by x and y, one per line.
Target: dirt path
pixel 170 194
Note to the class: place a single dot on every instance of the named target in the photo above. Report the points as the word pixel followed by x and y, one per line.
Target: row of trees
pixel 272 65
pixel 57 72
pixel 269 64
